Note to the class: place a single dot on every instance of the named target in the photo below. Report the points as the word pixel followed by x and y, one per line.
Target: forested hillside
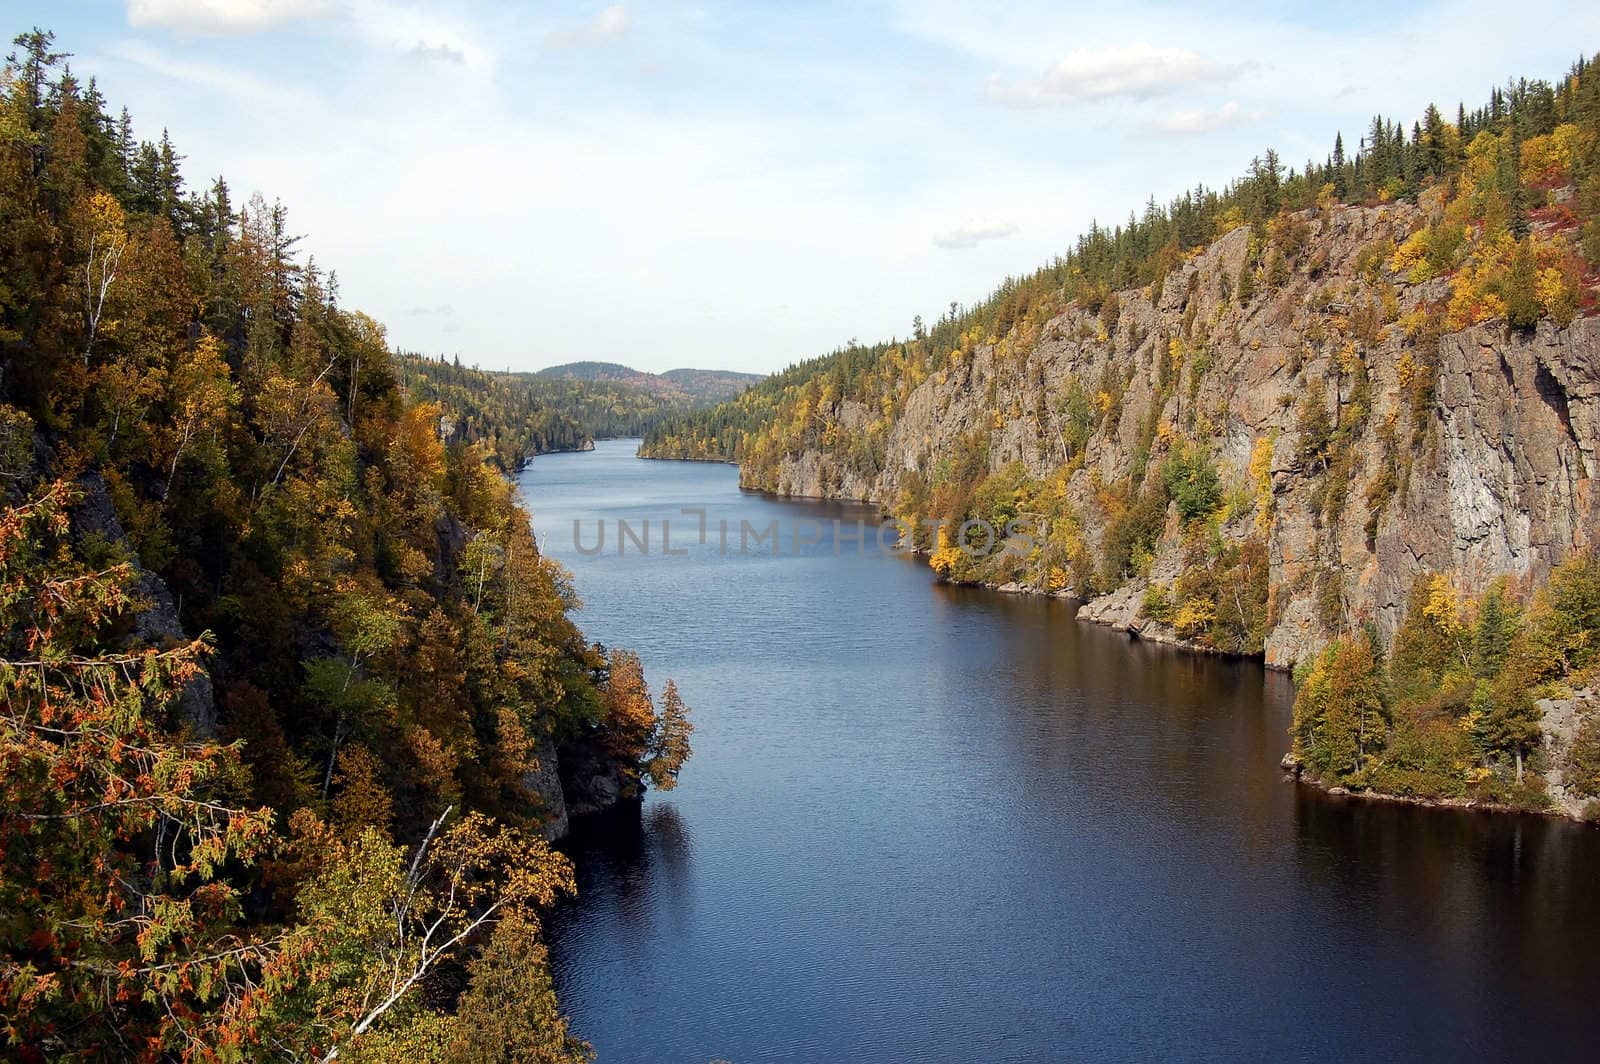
pixel 494 409
pixel 284 675
pixel 1272 419
pixel 611 400
pixel 690 386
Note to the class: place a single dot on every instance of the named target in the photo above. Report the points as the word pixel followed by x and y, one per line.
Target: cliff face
pixel 577 780
pixel 1475 451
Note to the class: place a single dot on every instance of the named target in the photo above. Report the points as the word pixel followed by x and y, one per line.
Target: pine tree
pixel 1520 291
pixel 1497 625
pixel 169 185
pixel 34 64
pixel 1340 713
pixel 127 148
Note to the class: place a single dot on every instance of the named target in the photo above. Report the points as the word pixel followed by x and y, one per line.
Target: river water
pixel 925 823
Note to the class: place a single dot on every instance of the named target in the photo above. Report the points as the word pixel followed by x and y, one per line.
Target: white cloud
pixel 1139 71
pixel 221 16
pixel 1193 122
pixel 971 234
pixel 609 24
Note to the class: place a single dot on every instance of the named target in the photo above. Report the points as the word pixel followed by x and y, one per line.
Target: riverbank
pixel 1294 772
pixel 1125 611
pixel 1120 610
pixel 910 798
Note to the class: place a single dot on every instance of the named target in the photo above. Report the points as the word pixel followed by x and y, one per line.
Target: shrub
pixel 1157 604
pixel 1191 480
pixel 1314 424
pixel 1339 713
pixel 1131 536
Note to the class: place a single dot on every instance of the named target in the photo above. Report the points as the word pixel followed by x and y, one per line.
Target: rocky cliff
pixel 1472 451
pixel 576 781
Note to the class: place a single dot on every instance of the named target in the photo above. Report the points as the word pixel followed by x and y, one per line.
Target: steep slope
pixel 284 677
pixel 710 385
pixel 489 408
pixel 1355 407
pixel 1494 475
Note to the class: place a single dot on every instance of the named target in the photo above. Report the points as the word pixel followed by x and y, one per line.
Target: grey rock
pixel 155 624
pixel 544 783
pixel 592 780
pixel 1503 482
pixel 1561 718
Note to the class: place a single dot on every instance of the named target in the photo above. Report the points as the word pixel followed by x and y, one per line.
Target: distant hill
pixel 716 385
pixel 693 387
pixel 609 399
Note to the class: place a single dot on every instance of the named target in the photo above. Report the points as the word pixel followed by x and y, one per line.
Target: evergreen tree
pixel 33 63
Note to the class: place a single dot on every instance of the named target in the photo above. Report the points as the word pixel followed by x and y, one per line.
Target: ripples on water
pixel 932 824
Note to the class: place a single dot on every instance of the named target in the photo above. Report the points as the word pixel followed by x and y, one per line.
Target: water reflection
pixel 932 823
pixel 636 867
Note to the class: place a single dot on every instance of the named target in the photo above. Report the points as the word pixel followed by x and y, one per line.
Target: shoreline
pixel 1294 773
pixel 1151 632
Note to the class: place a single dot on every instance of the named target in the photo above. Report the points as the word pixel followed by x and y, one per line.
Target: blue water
pixel 931 824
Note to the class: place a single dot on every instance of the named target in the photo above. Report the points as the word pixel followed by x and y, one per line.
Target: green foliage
pixel 1499 620
pixel 1339 711
pixel 1519 291
pixel 1219 600
pixel 1157 604
pixel 1245 290
pixel 1565 636
pixel 1583 760
pixel 612 401
pixel 513 420
pixel 1132 532
pixel 1461 687
pixel 1077 419
pixel 1191 479
pixel 1314 425
pixel 1277 271
pixel 16 444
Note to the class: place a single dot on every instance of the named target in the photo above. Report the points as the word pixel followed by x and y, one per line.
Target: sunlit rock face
pixel 1494 475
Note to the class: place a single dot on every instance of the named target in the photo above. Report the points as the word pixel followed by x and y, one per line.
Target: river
pixel 925 823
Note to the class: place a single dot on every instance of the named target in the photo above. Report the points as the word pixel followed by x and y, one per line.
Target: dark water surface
pixel 932 824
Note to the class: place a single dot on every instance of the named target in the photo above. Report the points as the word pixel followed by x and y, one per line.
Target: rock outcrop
pixel 1492 471
pixel 544 783
pixel 577 780
pixel 155 619
pixel 592 779
pixel 1561 721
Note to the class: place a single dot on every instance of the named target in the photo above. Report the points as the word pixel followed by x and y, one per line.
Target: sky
pixel 741 186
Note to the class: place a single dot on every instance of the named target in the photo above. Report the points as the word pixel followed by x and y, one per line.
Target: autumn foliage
pixel 278 651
